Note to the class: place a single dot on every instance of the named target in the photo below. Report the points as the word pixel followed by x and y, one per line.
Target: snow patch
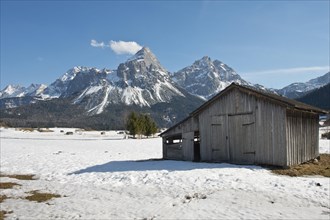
pixel 106 176
pixel 100 108
pixel 133 95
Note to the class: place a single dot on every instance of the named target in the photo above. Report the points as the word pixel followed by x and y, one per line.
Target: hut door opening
pixel 188 146
pixel 219 138
pixel 197 149
pixel 241 138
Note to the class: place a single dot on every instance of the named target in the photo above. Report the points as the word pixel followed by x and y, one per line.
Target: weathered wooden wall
pixel 214 125
pixel 184 150
pixel 246 128
pixel 270 133
pixel 243 128
pixel 302 137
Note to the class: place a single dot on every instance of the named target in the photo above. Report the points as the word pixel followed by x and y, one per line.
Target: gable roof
pixel 277 99
pixel 280 100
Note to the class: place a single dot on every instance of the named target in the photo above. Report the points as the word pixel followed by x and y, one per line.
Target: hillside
pixel 319 97
pixel 299 89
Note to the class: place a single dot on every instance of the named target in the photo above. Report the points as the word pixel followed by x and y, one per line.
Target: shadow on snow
pixel 158 165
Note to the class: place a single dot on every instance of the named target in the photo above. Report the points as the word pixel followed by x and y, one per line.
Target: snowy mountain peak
pixel 144 53
pixel 299 89
pixel 205 61
pixel 12 91
pixel 205 77
pixel 144 64
pixel 35 89
pixel 144 59
pixel 71 73
pixel 325 79
pixel 144 81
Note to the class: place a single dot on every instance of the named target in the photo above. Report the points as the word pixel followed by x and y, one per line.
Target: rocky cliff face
pixel 205 77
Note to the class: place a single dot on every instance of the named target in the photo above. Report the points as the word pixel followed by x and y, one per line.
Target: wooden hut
pixel 243 125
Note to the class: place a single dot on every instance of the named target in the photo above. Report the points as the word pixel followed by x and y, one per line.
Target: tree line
pixel 141 124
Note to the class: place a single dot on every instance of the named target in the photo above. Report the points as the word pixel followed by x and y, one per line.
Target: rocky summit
pixel 205 77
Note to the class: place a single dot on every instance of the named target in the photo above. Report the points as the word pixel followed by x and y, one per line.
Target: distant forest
pixel 319 97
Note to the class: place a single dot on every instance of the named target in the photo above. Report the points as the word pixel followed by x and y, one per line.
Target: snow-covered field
pixel 108 177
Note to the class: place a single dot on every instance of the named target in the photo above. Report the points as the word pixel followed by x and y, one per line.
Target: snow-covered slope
pixel 296 90
pixel 108 177
pixel 14 95
pixel 12 91
pixel 205 77
pixel 140 81
pixel 143 81
pixel 60 86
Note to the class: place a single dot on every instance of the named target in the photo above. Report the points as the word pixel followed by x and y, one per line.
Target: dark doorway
pixel 197 150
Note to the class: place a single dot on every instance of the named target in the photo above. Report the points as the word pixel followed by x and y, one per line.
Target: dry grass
pixel 41 197
pixel 45 130
pixel 321 167
pixel 26 129
pixel 35 129
pixel 3 214
pixel 3 197
pixel 4 124
pixel 8 185
pixel 19 177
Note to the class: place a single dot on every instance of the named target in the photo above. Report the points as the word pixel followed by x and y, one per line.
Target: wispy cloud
pixel 119 47
pixel 295 70
pixel 123 47
pixel 94 43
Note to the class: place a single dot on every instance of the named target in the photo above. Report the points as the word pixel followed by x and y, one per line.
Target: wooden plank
pixel 188 146
pixel 219 139
pixel 241 139
pixel 174 152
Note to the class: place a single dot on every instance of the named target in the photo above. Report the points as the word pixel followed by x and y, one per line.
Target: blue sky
pixel 273 43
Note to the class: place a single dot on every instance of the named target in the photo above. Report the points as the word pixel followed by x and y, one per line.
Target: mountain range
pixel 85 96
pixel 299 89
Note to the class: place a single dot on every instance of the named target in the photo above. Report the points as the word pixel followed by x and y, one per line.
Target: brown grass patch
pixel 3 197
pixel 19 177
pixel 321 167
pixel 4 124
pixel 45 130
pixel 4 213
pixel 8 185
pixel 41 197
pixel 26 129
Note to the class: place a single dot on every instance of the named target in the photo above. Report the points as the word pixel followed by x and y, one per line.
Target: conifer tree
pixel 132 125
pixel 141 124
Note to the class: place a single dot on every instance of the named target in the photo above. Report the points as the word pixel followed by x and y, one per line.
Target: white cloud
pixel 94 43
pixel 122 47
pixel 295 70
